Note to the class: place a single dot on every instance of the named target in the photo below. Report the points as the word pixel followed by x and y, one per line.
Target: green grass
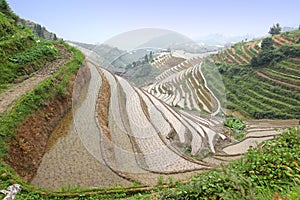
pixel 292 35
pixel 271 168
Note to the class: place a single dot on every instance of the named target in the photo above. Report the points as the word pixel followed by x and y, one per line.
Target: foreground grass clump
pixel 271 169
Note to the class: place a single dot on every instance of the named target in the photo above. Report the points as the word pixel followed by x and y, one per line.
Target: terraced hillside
pixel 136 138
pixel 268 87
pixel 66 123
pixel 183 86
pixel 239 54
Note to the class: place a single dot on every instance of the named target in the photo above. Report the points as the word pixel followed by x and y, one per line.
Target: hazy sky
pixel 95 21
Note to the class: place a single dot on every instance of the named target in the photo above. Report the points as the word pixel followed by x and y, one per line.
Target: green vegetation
pixel 44 50
pixel 258 97
pixel 269 55
pixel 5 9
pixel 237 126
pixel 21 54
pixel 49 88
pixel 275 29
pixel 142 74
pixel 269 87
pixel 271 168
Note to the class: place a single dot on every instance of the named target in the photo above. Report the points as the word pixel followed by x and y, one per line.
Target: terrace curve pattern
pixel 184 86
pixel 120 134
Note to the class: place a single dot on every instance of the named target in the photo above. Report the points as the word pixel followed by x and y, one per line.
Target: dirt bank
pixel 28 146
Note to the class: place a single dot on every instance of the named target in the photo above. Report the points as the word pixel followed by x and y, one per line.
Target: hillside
pixel 269 88
pixel 38 30
pixel 35 93
pixel 147 124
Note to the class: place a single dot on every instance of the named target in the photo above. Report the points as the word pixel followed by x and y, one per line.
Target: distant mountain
pixel 102 54
pixel 221 40
pixel 154 38
pixel 38 30
pixel 175 41
pixel 166 41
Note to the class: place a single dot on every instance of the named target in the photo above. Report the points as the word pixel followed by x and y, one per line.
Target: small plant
pixel 160 181
pixel 237 126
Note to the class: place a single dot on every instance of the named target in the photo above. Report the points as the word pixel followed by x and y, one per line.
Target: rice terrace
pixel 148 113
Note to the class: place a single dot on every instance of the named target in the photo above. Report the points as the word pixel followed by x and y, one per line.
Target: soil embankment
pixel 28 146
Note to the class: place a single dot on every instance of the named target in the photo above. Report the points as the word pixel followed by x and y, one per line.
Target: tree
pixel 267 44
pixel 275 29
pixel 151 56
pixel 146 58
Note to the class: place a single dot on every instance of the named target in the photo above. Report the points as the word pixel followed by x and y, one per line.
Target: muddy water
pixel 73 156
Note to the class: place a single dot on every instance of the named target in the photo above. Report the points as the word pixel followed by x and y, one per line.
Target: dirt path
pixel 8 98
pixel 239 56
pixel 231 56
pixel 253 46
pixel 277 41
pixel 283 40
pixel 259 73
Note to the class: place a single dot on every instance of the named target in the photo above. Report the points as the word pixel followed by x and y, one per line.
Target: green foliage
pixel 257 97
pixel 49 88
pixel 294 194
pixel 235 123
pixel 26 62
pixel 290 50
pixel 293 36
pixel 275 29
pixel 6 26
pixel 269 55
pixel 237 126
pixel 43 50
pixel 271 168
pixel 5 9
pixel 267 44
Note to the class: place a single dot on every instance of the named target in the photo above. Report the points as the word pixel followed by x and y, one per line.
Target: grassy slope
pixel 274 95
pixel 21 54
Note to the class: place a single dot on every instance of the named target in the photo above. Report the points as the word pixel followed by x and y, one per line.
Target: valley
pixel 176 121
